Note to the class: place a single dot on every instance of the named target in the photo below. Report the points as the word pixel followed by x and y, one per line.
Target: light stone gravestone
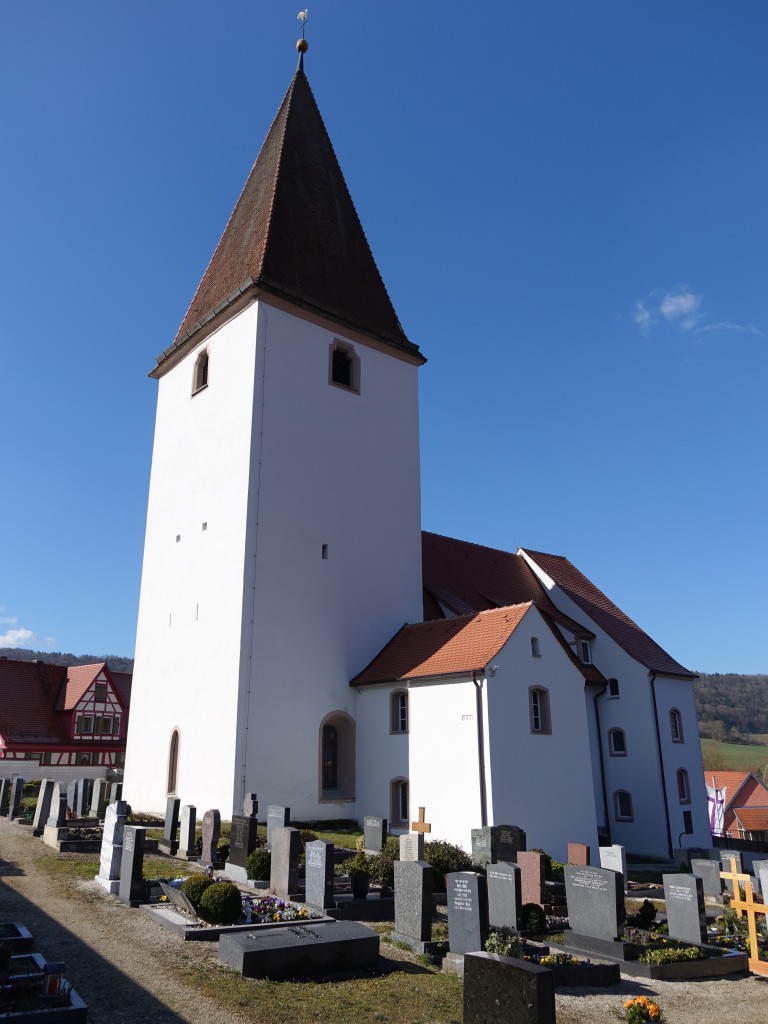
pixel 374 834
pixel 505 903
pixel 169 843
pixel 250 805
pixel 17 793
pixel 57 816
pixel 99 799
pixel 318 881
pixel 533 877
pixel 179 900
pixel 467 911
pixel 579 853
pixel 112 847
pixel 760 868
pixel 726 858
pixel 709 873
pixel 43 809
pixel 115 792
pixel 614 858
pixel 284 873
pixel 242 842
pixel 72 796
pixel 595 902
pixel 211 833
pixel 413 904
pixel 187 847
pixel 277 817
pixel 500 990
pixel 131 889
pixel 684 897
pixel 412 846
pixel 83 797
pixel 5 796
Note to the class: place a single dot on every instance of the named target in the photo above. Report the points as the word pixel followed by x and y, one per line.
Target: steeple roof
pixel 295 233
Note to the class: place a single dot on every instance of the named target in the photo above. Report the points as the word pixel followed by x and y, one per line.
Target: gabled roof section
pixel 733 783
pixel 607 615
pixel 295 233
pixel 443 647
pixel 79 678
pixel 28 691
pixel 752 819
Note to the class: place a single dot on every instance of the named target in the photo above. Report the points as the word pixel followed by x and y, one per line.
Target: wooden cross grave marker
pixel 421 825
pixel 751 908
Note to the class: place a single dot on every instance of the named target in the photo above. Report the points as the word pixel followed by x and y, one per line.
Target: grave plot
pixel 32 989
pixel 569 971
pixel 320 948
pixel 15 937
pixel 744 904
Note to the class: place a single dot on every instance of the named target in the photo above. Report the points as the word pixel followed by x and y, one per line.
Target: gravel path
pixel 129 970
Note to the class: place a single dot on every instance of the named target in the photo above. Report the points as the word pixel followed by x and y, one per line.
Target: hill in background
pixel 57 658
pixel 732 708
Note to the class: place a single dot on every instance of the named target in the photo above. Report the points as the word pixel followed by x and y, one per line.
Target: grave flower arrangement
pixel 268 909
pixel 642 1009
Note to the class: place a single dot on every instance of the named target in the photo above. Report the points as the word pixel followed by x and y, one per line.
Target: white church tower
pixel 283 544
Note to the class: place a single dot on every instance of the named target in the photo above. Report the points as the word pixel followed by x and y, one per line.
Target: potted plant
pixel 359 872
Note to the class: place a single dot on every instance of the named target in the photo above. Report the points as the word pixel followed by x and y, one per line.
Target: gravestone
pixel 169 843
pixel 302 950
pixel 501 990
pixel 413 903
pixel 614 858
pixel 177 899
pixel 595 901
pixel 187 848
pixel 211 833
pixel 505 903
pixel 17 793
pixel 318 881
pixel 250 805
pixel 277 817
pixel 579 853
pixel 5 796
pixel 43 809
pixel 684 897
pixel 709 873
pixel 131 888
pixel 115 792
pixel 242 842
pixel 57 816
pixel 112 847
pixel 374 834
pixel 99 799
pixel 493 844
pixel 467 911
pixel 726 859
pixel 284 873
pixel 83 797
pixel 533 877
pixel 412 846
pixel 72 796
pixel 760 868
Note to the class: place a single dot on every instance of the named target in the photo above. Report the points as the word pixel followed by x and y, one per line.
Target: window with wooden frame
pixel 398 810
pixel 399 711
pixel 538 707
pixel 200 378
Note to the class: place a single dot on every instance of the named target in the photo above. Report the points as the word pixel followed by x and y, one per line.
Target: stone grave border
pixel 720 965
pixel 168 917
pixel 21 942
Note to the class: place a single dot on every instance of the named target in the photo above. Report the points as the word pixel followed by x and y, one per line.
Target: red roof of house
pixel 443 647
pixel 295 233
pixel 28 693
pixel 607 615
pixel 79 678
pixel 734 782
pixel 752 819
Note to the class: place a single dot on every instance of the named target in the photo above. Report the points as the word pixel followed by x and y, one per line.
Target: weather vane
pixel 302 45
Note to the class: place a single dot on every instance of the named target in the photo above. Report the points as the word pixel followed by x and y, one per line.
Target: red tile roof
pixel 28 692
pixel 607 615
pixel 458 645
pixel 295 233
pixel 752 819
pixel 79 678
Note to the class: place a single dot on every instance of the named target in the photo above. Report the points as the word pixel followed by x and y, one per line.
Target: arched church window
pixel 330 757
pixel 617 743
pixel 683 786
pixel 345 366
pixel 398 802
pixel 676 725
pixel 173 763
pixel 538 707
pixel 200 380
pixel 399 711
pixel 337 757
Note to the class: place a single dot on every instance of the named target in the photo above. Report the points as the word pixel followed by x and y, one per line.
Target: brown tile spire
pixel 295 233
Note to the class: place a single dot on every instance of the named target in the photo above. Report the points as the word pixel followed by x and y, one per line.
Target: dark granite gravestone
pixel 412 846
pixel 374 834
pixel 242 839
pixel 299 951
pixel 277 817
pixel 57 816
pixel 250 805
pixel 284 873
pixel 709 873
pixel 595 901
pixel 579 853
pixel 178 900
pixel 318 881
pixel 5 796
pixel 614 858
pixel 112 847
pixel 500 990
pixel 684 897
pixel 99 798
pixel 43 809
pixel 533 877
pixel 497 843
pixel 760 868
pixel 505 904
pixel 132 865
pixel 17 793
pixel 83 797
pixel 413 903
pixel 211 833
pixel 187 848
pixel 467 911
pixel 72 796
pixel 169 843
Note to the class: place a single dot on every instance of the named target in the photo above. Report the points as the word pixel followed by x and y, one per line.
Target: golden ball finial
pixel 302 45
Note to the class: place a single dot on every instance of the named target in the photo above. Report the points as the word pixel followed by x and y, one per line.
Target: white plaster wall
pixel 186 673
pixel 381 755
pixel 541 782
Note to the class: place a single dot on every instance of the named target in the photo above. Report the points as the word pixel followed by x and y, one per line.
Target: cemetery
pixel 31 987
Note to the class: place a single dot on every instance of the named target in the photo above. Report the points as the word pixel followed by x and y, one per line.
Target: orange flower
pixel 628 1003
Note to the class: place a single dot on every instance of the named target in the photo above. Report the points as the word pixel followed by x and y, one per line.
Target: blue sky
pixel 566 201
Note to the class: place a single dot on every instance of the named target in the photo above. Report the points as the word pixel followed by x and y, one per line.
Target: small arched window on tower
pixel 344 369
pixel 683 786
pixel 622 805
pixel 200 380
pixel 173 763
pixel 398 802
pixel 676 725
pixel 399 711
pixel 617 743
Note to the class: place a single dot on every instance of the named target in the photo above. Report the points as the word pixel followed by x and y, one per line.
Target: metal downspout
pixel 480 749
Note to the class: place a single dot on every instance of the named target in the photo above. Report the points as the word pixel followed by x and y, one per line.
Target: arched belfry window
pixel 200 379
pixel 173 763
pixel 676 725
pixel 337 757
pixel 344 369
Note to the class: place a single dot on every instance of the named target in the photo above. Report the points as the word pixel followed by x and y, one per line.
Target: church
pixel 300 637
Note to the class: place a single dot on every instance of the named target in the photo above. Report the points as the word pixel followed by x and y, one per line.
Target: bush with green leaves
pixel 194 887
pixel 670 956
pixel 504 941
pixel 533 917
pixel 358 866
pixel 644 916
pixel 444 858
pixel 221 904
pixel 259 863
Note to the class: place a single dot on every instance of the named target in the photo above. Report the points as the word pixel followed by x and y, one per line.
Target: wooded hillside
pixel 57 658
pixel 731 707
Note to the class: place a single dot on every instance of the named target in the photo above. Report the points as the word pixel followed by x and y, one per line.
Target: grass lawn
pixel 738 756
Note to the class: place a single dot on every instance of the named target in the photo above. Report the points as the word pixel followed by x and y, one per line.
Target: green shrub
pixel 382 869
pixel 221 904
pixel 222 851
pixel 644 916
pixel 534 918
pixel 259 863
pixel 558 871
pixel 444 858
pixel 194 887
pixel 504 941
pixel 307 836
pixel 670 956
pixel 358 866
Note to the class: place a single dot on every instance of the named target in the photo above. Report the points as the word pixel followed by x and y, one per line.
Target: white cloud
pixel 17 638
pixel 681 303
pixel 642 317
pixel 729 325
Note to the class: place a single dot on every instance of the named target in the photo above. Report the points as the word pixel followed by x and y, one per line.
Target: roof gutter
pixel 480 749
pixel 652 677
